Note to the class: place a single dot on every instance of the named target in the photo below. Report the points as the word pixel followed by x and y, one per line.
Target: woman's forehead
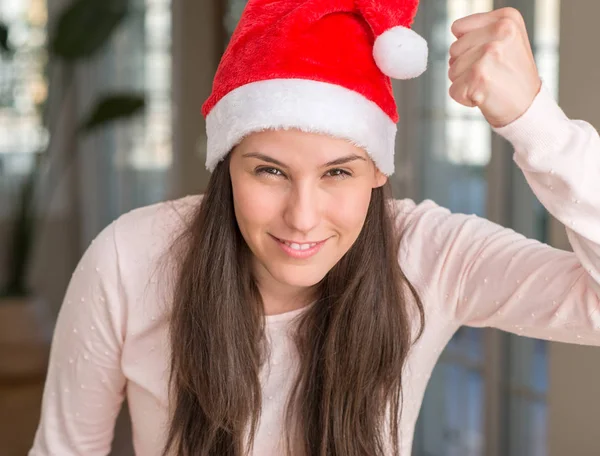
pixel 296 144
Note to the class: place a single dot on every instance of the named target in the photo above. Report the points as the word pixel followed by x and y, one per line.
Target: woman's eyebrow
pixel 264 157
pixel 336 162
pixel 344 160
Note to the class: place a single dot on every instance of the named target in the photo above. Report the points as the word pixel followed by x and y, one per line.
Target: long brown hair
pixel 352 343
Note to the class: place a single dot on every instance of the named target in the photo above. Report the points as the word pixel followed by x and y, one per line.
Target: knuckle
pixel 493 49
pixel 479 76
pixel 505 28
pixel 454 94
pixel 452 74
pixel 455 27
pixel 454 49
pixel 513 14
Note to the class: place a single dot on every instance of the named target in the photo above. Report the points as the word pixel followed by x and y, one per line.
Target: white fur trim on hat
pixel 401 53
pixel 307 105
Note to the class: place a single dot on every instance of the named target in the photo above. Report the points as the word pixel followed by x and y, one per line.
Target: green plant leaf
pixel 4 46
pixel 114 107
pixel 85 26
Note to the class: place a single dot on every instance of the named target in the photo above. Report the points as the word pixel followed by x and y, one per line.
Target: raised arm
pixel 478 273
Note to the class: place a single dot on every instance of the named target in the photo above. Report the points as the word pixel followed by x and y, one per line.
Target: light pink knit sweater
pixel 111 337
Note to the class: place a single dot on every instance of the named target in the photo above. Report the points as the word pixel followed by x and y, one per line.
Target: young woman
pixel 295 308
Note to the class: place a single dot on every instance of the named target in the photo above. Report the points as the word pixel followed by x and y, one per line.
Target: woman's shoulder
pixel 163 212
pixel 154 224
pixel 427 217
pixel 408 212
pixel 132 254
pixel 137 241
pixel 427 225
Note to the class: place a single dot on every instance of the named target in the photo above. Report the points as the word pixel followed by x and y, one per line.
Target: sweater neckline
pixel 286 316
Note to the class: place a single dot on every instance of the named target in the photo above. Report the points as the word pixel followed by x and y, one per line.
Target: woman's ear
pixel 379 179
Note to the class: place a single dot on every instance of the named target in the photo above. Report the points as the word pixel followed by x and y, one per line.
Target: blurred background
pixel 100 114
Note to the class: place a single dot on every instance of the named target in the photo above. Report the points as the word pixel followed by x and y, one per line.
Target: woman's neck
pixel 278 297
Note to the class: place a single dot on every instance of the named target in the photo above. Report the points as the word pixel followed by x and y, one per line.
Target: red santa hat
pixel 320 66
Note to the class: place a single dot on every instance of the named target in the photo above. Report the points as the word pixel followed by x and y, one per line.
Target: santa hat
pixel 320 66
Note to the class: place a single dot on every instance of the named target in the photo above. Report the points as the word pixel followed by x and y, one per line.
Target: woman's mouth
pixel 300 250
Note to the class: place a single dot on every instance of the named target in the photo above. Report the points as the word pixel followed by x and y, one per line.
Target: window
pixel 128 162
pixel 232 15
pixel 23 92
pixel 150 71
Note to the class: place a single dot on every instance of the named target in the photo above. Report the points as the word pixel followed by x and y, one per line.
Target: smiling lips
pixel 301 251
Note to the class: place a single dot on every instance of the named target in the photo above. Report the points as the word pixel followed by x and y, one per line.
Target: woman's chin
pixel 297 277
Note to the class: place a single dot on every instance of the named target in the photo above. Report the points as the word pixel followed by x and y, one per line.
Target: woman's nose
pixel 302 212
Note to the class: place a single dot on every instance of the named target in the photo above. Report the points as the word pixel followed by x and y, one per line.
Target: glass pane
pixel 147 38
pixel 539 367
pixel 537 436
pixel 457 395
pixel 233 14
pixel 467 345
pixel 452 420
pixel 528 362
pixel 139 151
pixel 455 405
pixel 527 427
pixel 23 93
pixel 464 415
pixel 546 41
pixel 474 432
pixel 467 139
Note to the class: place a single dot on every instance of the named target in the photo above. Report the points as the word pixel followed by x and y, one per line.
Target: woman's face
pixel 300 201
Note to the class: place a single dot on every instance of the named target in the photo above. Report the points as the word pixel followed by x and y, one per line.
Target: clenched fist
pixel 492 65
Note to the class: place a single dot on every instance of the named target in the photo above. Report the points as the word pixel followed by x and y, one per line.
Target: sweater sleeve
pixel 84 385
pixel 470 271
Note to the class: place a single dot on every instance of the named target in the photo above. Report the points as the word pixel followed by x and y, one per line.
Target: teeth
pixel 295 246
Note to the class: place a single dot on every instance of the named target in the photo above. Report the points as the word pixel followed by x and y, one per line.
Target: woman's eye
pixel 338 173
pixel 268 171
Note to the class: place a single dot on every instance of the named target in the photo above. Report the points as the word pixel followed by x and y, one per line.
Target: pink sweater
pixel 111 337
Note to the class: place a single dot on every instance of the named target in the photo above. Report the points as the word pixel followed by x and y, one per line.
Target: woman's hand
pixel 492 65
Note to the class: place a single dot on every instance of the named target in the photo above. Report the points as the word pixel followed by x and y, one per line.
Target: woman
pixel 296 307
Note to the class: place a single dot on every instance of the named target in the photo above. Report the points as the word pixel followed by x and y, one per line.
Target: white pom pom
pixel 401 53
